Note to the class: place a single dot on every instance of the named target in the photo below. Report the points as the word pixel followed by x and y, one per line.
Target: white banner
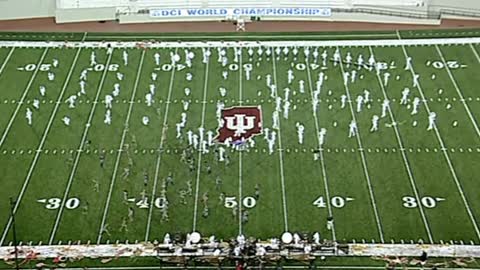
pixel 225 12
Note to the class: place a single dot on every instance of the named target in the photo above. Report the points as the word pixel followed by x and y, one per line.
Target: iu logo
pixel 240 123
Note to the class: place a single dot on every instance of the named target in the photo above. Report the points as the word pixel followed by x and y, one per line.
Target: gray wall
pixel 22 9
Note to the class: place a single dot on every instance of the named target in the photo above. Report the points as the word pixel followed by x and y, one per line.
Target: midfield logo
pixel 240 123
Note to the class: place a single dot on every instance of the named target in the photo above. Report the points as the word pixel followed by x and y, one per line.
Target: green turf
pixel 377 178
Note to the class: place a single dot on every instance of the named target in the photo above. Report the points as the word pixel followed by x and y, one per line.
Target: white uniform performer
pixel 185 105
pixel 385 105
pixel 386 76
pixel 66 120
pixel 223 91
pixel 352 132
pixel 149 99
pixel 179 130
pixel 152 89
pixel 93 58
pixel 248 72
pixel 321 136
pixel 189 76
pixel 108 117
pixel 300 131
pixel 343 100
pixel 286 109
pixel 301 86
pixel 156 56
pixel 125 58
pixel 36 104
pixel 55 62
pixel 268 78
pixel 225 74
pixel 51 76
pixel 271 142
pixel 404 98
pixel 415 80
pixel 290 76
pixel 83 75
pixel 28 115
pixel 71 101
pixel 43 90
pixel 145 120
pixel 431 120
pixel 275 118
pixel 82 87
pixel 408 64
pixel 359 103
pixel 116 90
pixel 416 103
pixel 273 90
pixel 374 127
pixel 366 96
pixel 108 101
pixel 120 76
pixel 154 76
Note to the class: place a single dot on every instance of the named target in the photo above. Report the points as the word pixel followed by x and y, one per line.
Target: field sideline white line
pixel 364 160
pixel 322 160
pixel 459 92
pixel 447 156
pixel 120 148
pixel 40 146
pixel 197 184
pixel 79 152
pixel 160 148
pixel 280 147
pixel 24 95
pixel 405 158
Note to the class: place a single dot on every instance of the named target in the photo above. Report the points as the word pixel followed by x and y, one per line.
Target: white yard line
pixel 364 160
pixel 40 146
pixel 59 101
pixel 25 92
pixel 322 160
pixel 447 157
pixel 280 150
pixel 160 150
pixel 459 92
pixel 397 32
pixel 84 36
pixel 7 59
pixel 405 158
pixel 197 184
pixel 240 157
pixel 79 152
pixel 120 147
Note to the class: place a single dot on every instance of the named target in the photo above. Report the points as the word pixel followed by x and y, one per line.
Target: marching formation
pixel 195 141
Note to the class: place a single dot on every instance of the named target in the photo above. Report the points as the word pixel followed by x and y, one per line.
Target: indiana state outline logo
pixel 239 123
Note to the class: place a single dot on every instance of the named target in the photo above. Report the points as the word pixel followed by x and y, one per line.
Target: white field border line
pixel 77 156
pixel 322 160
pixel 240 157
pixel 254 44
pixel 39 148
pixel 160 148
pixel 459 92
pixel 243 37
pixel 199 164
pixel 120 148
pixel 405 158
pixel 447 157
pixel 280 148
pixel 22 99
pixel 364 160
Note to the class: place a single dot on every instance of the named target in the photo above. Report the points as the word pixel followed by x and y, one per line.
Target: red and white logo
pixel 240 123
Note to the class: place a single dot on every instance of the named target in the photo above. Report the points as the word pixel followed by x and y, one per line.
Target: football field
pixel 84 172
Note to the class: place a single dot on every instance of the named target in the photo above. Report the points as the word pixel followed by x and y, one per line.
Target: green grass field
pixel 401 183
